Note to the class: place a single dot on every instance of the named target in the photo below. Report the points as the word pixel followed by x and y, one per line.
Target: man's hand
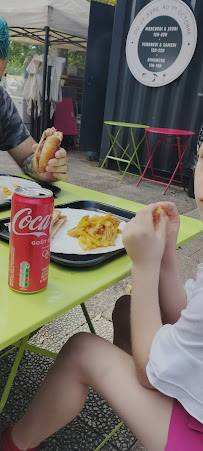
pixel 145 241
pixel 57 168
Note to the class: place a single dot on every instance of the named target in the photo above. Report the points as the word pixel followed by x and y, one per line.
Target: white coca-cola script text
pixel 24 224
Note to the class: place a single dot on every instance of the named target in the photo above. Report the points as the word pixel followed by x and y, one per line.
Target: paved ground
pixel 96 419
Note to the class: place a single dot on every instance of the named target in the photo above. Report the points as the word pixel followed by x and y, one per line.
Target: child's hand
pixel 145 241
pixel 173 224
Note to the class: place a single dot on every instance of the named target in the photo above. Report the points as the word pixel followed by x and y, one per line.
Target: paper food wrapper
pixel 64 244
pixel 14 182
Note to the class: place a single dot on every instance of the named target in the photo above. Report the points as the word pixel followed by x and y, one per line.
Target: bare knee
pixel 75 350
pixel 76 343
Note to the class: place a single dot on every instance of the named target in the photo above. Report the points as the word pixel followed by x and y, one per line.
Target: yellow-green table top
pixel 126 124
pixel 21 314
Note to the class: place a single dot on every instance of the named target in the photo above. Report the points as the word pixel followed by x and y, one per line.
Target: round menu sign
pixel 161 42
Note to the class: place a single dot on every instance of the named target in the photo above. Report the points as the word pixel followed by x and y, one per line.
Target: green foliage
pixel 17 54
pixel 76 59
pixel 107 2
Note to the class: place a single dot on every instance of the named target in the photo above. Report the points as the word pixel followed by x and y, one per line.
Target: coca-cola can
pixel 30 235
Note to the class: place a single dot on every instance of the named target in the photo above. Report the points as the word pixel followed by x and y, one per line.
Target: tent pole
pixel 47 102
pixel 46 50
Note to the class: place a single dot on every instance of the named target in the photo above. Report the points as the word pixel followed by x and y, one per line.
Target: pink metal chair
pixel 182 137
pixel 64 119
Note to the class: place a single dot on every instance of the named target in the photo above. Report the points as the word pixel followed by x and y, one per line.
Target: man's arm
pixel 56 169
pixel 15 139
pixel 23 155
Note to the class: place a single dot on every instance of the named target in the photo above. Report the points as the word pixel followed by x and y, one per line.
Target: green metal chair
pixel 125 156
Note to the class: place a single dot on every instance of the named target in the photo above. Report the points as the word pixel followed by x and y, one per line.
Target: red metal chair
pixel 182 137
pixel 64 119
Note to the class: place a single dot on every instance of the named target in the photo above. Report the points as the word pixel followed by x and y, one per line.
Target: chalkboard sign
pixel 161 42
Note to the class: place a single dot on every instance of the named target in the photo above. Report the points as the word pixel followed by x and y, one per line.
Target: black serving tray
pixel 55 190
pixel 80 260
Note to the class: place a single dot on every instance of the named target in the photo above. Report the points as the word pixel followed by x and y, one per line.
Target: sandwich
pixel 58 221
pixel 49 143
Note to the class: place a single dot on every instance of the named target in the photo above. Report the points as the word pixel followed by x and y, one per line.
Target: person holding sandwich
pixel 14 136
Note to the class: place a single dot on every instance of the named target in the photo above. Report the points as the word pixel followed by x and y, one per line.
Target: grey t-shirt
pixel 12 129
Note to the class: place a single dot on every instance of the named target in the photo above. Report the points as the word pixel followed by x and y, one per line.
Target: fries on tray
pixel 6 191
pixel 97 231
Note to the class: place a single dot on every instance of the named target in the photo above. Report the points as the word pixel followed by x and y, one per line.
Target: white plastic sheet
pixel 66 244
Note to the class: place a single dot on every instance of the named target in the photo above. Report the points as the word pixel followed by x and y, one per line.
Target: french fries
pixel 6 191
pixel 158 211
pixel 98 231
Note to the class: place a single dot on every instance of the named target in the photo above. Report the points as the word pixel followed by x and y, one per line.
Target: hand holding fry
pixel 173 223
pixel 145 241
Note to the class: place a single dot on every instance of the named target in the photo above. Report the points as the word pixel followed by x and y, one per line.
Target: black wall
pixel 178 105
pixel 96 75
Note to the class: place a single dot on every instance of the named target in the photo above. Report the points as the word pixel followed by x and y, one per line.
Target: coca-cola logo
pixel 25 224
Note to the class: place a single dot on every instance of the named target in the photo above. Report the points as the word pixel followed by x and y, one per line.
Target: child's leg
pixel 88 360
pixel 121 324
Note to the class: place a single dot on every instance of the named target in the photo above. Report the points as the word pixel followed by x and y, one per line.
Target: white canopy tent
pixel 59 23
pixel 67 21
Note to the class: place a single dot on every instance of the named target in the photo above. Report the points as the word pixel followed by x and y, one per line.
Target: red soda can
pixel 30 235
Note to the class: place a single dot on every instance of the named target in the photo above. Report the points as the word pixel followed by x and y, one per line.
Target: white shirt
pixel 33 85
pixel 175 364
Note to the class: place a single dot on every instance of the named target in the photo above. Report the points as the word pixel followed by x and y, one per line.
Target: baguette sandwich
pixel 58 221
pixel 49 143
